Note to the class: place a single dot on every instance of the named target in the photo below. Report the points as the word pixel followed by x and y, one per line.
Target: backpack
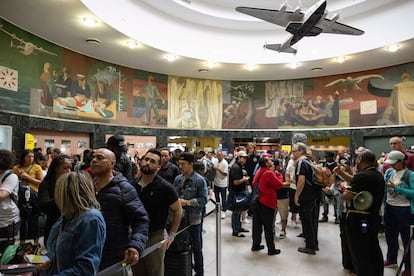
pixel 26 199
pixel 406 176
pixel 254 197
pixel 320 177
pixel 210 171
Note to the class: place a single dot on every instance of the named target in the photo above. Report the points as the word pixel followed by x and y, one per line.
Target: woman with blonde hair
pixel 76 240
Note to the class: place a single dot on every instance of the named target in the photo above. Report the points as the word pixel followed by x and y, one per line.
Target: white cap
pixel 394 156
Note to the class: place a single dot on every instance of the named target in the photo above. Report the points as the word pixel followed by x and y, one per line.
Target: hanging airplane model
pixel 300 24
pixel 26 48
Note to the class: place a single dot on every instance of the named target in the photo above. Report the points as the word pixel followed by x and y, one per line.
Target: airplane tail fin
pixel 279 48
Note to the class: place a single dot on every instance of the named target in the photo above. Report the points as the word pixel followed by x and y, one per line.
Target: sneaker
pixel 307 250
pixel 239 235
pixel 324 219
pixel 390 264
pixel 273 252
pixel 257 248
pixel 282 234
pixel 223 215
pixel 244 230
pixel 247 221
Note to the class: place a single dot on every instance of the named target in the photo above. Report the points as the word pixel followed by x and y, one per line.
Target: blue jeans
pixel 235 222
pixel 197 248
pixel 221 196
pixel 397 222
pixel 235 216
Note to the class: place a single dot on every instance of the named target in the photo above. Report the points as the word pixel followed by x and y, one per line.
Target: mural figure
pixel 152 95
pixel 400 108
pixel 103 94
pixel 310 111
pixel 349 84
pixel 63 85
pixel 81 88
pixel 46 97
pixel 233 117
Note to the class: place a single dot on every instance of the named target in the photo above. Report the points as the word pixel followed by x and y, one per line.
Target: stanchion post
pixel 218 238
pixel 412 248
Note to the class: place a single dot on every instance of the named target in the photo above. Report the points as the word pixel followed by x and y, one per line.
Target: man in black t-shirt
pixel 237 183
pixel 362 225
pixel 158 197
pixel 307 198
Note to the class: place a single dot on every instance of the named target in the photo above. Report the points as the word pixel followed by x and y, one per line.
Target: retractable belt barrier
pixel 110 270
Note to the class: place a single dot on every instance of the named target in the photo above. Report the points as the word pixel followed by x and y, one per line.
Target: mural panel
pixel 40 78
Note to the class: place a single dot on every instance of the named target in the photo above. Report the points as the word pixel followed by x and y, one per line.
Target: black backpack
pixel 210 171
pixel 27 206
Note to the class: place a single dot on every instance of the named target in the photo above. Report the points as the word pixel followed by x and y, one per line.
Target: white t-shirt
pixel 8 208
pixel 393 198
pixel 291 170
pixel 219 179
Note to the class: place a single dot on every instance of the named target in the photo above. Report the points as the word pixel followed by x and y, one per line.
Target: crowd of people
pixel 109 209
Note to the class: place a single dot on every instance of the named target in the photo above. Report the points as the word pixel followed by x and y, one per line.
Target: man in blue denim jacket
pixel 125 216
pixel 192 189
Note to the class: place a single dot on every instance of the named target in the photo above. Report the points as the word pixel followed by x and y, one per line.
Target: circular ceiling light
pixel 170 57
pixel 293 65
pixel 132 44
pixel 90 21
pixel 251 67
pixel 340 59
pixel 393 48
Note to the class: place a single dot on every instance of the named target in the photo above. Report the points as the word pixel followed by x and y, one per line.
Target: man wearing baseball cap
pixel 192 190
pixel 117 145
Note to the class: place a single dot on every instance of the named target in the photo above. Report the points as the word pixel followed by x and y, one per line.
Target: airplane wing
pixel 40 49
pixel 333 27
pixel 280 48
pixel 371 76
pixel 335 82
pixel 281 18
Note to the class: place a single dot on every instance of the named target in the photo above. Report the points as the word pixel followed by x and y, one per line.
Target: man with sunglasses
pixel 159 197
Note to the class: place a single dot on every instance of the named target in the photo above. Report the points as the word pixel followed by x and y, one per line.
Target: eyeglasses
pixel 152 161
pixel 293 150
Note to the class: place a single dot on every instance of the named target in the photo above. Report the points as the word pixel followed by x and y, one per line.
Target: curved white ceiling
pixel 213 30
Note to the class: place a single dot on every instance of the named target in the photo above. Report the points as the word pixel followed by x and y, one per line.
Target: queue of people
pixel 106 218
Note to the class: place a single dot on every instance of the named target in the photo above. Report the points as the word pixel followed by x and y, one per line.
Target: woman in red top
pixel 264 211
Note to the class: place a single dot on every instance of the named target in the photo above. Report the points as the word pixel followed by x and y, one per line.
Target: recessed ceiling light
pixel 170 57
pixel 211 64
pixel 132 44
pixel 90 21
pixel 340 59
pixel 293 65
pixel 251 67
pixel 393 48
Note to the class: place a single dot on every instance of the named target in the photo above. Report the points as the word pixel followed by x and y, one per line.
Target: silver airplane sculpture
pixel 300 24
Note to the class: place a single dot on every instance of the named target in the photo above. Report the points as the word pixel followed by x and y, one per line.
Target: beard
pixel 147 170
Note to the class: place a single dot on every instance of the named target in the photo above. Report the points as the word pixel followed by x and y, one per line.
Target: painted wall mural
pixel 40 78
pixel 194 103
